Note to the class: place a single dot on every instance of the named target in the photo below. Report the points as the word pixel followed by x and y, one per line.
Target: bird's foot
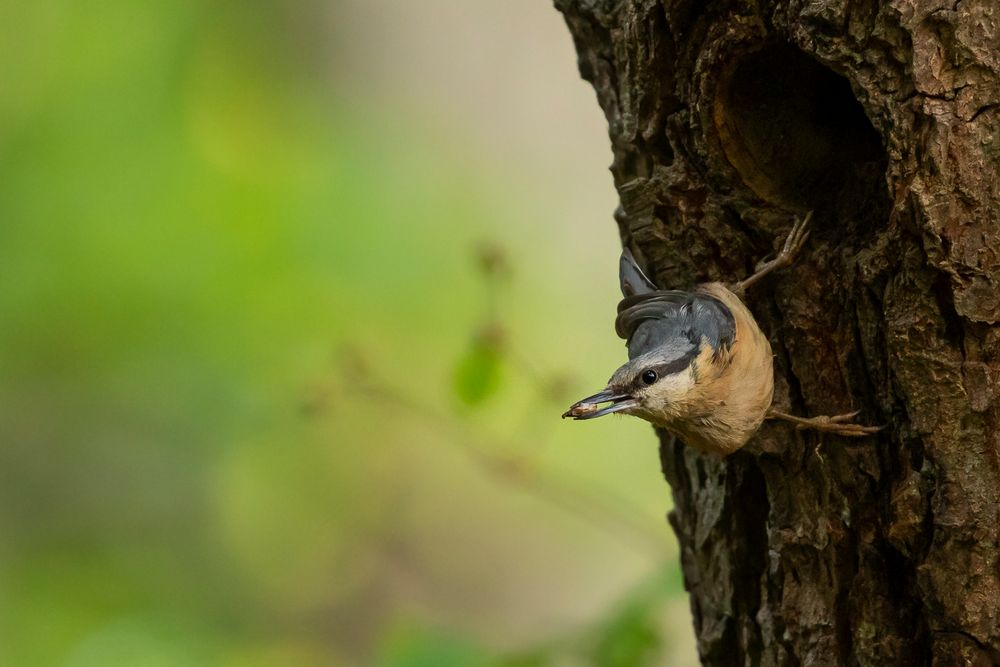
pixel 793 245
pixel 838 425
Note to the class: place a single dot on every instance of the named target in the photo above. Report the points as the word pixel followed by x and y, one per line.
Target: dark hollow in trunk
pixel 728 119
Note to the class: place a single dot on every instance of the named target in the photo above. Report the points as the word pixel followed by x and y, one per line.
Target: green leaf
pixel 477 374
pixel 633 636
pixel 421 647
pixel 631 639
pixel 541 657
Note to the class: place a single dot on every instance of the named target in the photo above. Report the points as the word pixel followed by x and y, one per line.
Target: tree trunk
pixel 727 120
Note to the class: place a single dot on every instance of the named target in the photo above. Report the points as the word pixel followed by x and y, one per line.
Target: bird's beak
pixel 588 407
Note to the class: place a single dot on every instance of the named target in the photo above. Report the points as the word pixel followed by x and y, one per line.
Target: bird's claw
pixel 838 425
pixel 793 244
pixel 762 264
pixel 837 419
pixel 795 241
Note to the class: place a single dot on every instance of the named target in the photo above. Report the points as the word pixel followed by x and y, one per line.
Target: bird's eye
pixel 649 377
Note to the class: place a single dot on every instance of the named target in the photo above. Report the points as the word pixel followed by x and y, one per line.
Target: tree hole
pixel 794 131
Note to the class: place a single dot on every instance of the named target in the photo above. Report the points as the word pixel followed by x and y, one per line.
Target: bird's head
pixel 676 342
pixel 655 386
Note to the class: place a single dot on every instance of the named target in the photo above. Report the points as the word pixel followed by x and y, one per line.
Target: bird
pixel 699 365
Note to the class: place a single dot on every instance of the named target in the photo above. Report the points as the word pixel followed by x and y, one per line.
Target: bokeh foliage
pixel 198 218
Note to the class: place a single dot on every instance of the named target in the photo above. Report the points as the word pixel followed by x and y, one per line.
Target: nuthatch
pixel 699 365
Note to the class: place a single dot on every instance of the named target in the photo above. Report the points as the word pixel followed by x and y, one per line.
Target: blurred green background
pixel 293 294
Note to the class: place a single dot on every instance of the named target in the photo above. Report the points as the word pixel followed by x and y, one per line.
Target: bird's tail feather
pixel 633 280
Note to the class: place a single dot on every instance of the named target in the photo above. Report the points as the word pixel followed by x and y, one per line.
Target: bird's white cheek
pixel 669 392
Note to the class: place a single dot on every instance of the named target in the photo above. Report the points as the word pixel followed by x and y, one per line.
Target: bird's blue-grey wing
pixel 675 319
pixel 713 320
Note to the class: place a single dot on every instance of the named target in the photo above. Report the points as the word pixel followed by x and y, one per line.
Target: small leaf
pixel 541 657
pixel 633 636
pixel 631 639
pixel 421 647
pixel 477 375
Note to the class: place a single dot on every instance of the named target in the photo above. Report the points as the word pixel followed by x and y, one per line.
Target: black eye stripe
pixel 677 365
pixel 669 368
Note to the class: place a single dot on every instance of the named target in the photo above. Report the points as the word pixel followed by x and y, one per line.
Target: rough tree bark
pixel 726 120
